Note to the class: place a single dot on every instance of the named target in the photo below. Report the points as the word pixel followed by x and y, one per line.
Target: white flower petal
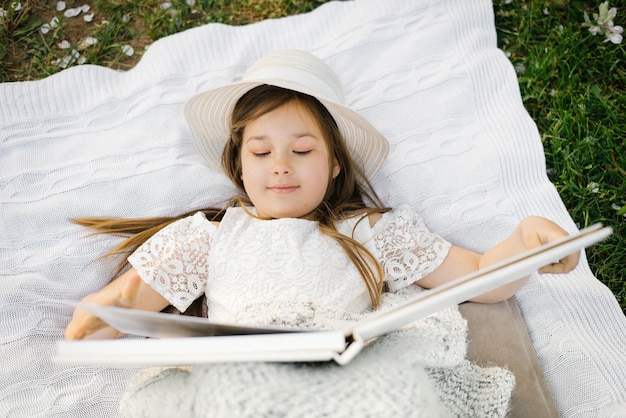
pixel 616 38
pixel 128 50
pixel 61 5
pixel 64 44
pixel 72 12
pixel 594 187
pixel 166 5
pixel 67 60
pixel 87 42
pixel 88 18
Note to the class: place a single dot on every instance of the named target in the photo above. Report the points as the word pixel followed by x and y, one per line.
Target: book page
pixel 162 325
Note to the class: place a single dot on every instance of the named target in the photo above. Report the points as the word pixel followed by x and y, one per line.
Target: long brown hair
pixel 347 195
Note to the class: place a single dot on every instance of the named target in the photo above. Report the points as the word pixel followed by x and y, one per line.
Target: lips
pixel 283 188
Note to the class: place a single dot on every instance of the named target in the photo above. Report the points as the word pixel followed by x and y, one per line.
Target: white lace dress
pixel 274 271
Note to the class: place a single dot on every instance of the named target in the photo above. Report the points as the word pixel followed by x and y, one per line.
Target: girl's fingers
pixel 565 265
pixel 82 325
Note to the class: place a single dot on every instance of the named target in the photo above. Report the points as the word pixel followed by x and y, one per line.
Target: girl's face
pixel 285 162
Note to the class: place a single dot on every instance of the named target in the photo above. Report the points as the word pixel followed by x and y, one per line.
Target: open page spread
pixel 163 325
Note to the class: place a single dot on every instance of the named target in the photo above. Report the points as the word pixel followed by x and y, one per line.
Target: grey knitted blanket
pixel 417 371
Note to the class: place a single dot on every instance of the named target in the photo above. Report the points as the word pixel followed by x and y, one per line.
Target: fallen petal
pixel 64 44
pixel 72 12
pixel 85 8
pixel 88 18
pixel 87 42
pixel 128 50
pixel 61 6
pixel 67 60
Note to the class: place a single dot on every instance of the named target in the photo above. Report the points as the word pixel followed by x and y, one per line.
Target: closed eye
pixel 302 152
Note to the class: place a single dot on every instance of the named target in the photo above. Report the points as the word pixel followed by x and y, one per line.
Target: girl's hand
pixel 530 233
pixel 84 324
pixel 536 231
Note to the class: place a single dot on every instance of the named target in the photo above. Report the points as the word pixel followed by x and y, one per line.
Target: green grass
pixel 573 85
pixel 572 82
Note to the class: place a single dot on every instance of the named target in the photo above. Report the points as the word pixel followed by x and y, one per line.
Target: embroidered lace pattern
pixel 174 261
pixel 248 263
pixel 256 262
pixel 407 249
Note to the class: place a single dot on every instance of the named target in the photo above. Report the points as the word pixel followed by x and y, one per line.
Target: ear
pixel 336 169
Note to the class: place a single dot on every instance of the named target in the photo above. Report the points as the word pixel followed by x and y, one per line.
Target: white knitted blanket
pixel 464 153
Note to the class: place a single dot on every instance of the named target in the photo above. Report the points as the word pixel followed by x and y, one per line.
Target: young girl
pixel 308 231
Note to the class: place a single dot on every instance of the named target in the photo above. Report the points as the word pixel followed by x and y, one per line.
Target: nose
pixel 281 166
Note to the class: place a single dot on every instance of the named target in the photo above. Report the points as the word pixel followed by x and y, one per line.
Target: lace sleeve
pixel 174 261
pixel 408 250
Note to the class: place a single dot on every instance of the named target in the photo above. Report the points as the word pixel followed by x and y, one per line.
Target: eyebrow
pixel 255 138
pixel 265 137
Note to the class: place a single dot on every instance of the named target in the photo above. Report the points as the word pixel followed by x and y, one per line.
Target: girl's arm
pixel 128 291
pixel 531 232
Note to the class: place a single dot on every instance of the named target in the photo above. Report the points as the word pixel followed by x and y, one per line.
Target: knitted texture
pixel 464 153
pixel 388 378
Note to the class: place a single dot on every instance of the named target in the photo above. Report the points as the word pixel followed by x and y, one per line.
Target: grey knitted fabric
pixel 417 371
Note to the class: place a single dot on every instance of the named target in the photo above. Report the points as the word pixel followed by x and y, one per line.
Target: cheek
pixel 245 169
pixel 320 174
pixel 250 176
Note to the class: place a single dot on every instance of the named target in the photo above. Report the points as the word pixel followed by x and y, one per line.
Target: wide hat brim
pixel 209 113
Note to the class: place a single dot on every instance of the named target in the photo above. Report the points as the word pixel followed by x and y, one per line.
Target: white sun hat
pixel 208 114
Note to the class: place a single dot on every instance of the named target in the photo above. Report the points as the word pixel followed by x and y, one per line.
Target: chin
pixel 288 214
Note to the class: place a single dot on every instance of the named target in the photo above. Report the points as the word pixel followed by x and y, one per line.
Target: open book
pixel 171 343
